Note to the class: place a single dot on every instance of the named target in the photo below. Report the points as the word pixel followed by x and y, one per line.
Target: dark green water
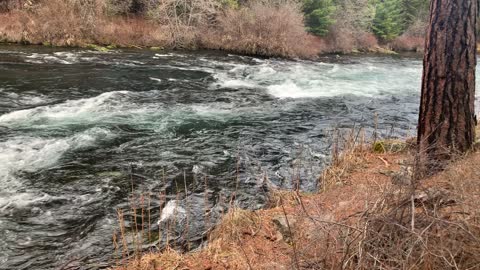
pixel 76 126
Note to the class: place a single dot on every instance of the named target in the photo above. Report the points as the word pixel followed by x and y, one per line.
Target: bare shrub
pixel 351 30
pixel 118 7
pixel 366 41
pixel 10 5
pixel 408 43
pixel 262 29
pixel 62 22
pixel 340 39
pixel 133 32
pixel 127 7
pixel 183 12
pixel 269 27
pixel 347 39
pixel 413 39
pixel 12 27
pixel 183 18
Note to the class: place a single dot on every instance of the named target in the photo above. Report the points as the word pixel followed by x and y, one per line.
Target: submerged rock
pixel 185 223
pixel 172 212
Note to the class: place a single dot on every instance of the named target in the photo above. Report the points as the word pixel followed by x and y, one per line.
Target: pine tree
pixel 319 15
pixel 413 10
pixel 388 23
pixel 446 125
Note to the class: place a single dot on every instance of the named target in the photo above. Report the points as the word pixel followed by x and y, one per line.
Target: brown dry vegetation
pixel 369 216
pixel 413 39
pixel 268 28
pixel 259 28
pixel 287 36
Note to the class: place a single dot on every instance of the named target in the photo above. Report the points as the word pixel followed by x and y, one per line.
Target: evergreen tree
pixel 319 15
pixel 413 10
pixel 446 124
pixel 388 22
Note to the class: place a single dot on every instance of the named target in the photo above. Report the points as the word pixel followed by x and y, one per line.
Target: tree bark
pixel 446 125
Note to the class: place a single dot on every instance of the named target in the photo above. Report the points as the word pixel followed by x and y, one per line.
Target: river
pixel 79 128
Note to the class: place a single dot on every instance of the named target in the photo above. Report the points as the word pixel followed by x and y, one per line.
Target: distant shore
pixel 57 24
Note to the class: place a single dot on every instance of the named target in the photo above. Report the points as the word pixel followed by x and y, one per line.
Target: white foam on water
pixel 155 79
pixel 158 55
pixel 57 58
pixel 67 58
pixel 172 210
pixel 166 55
pixel 283 79
pixel 213 109
pixel 237 84
pixel 288 90
pixel 126 63
pixel 27 99
pixel 89 108
pixel 190 68
pixel 31 154
pixel 21 200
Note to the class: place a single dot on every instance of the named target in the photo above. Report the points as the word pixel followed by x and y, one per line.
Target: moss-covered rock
pixel 389 146
pixel 97 48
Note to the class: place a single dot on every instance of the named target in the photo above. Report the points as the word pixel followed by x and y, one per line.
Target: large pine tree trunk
pixel 447 118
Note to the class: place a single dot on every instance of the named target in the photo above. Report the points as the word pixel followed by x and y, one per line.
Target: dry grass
pixel 363 220
pixel 65 23
pixel 257 27
pixel 260 28
pixel 432 225
pixel 168 259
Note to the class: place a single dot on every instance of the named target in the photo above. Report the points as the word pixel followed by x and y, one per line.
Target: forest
pixel 255 27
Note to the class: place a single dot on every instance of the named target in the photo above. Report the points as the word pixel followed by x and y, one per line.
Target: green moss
pixel 97 48
pixel 156 48
pixel 230 3
pixel 111 46
pixel 389 146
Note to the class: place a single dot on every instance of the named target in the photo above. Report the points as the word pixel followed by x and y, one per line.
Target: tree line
pixel 387 19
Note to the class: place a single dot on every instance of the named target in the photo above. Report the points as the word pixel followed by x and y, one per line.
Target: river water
pixel 79 128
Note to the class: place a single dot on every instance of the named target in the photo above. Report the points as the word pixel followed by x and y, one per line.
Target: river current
pixel 79 128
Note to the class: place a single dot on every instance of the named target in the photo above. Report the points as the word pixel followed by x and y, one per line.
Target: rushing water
pixel 78 127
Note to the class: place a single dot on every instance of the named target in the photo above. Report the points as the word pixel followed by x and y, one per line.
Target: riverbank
pixel 57 23
pixel 271 30
pixel 369 217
